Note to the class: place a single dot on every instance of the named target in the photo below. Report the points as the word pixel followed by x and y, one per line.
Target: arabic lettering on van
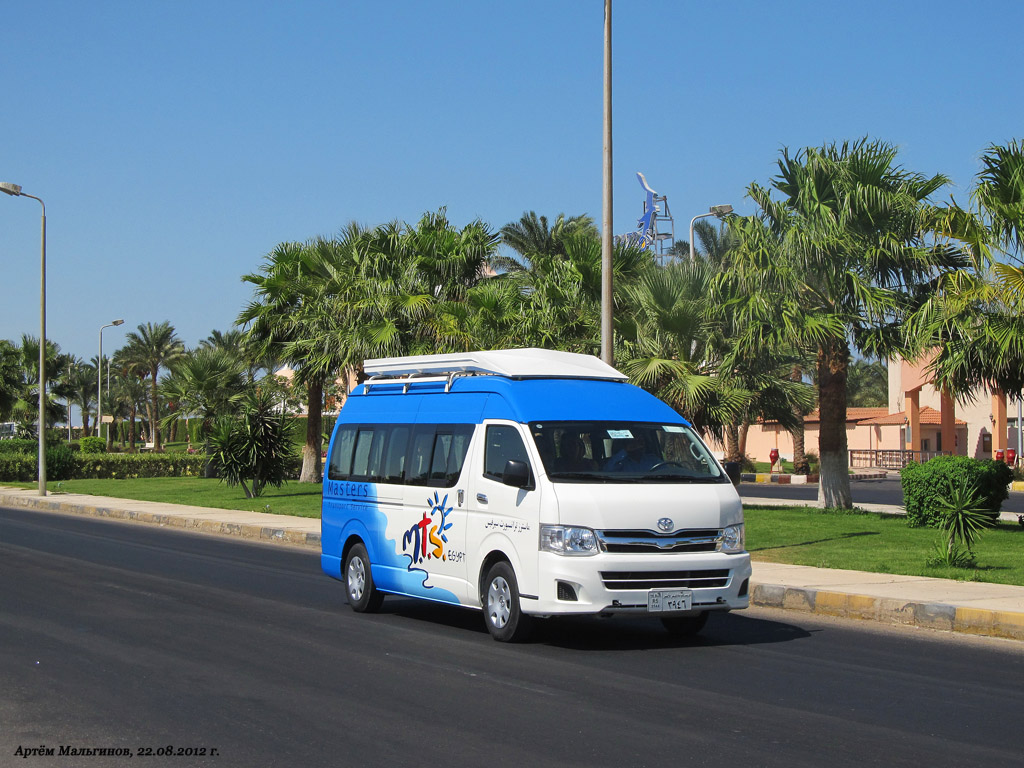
pixel 427 538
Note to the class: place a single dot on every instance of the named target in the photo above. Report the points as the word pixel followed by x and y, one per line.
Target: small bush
pixel 924 485
pixel 92 445
pixel 19 446
pixel 60 463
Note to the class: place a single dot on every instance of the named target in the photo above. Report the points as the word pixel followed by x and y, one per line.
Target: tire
pixel 504 618
pixel 362 595
pixel 685 626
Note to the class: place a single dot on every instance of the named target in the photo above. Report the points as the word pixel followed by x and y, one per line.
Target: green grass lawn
pixel 302 499
pixel 798 535
pixel 878 543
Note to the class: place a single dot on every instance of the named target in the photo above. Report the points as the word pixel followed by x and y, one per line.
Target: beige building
pixel 919 422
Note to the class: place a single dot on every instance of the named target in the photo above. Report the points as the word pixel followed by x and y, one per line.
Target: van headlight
pixel 733 540
pixel 568 540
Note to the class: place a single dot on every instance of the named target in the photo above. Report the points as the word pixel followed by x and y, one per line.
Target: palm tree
pixel 148 350
pixel 972 321
pixel 128 392
pixel 291 318
pixel 11 379
pixel 839 261
pixel 867 384
pixel 81 386
pixel 26 408
pixel 531 236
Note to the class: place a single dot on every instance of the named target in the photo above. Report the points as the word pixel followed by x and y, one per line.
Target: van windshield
pixel 624 452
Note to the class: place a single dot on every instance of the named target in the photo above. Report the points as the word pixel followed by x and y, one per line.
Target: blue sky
pixel 176 143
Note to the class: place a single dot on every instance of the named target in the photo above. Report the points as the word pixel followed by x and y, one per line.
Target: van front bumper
pixel 616 583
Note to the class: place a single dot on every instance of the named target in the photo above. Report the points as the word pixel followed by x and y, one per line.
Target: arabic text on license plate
pixel 659 600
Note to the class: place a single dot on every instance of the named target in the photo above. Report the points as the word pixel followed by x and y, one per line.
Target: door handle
pixel 481 498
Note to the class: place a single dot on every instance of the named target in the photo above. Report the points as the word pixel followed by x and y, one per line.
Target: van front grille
pixel 665 579
pixel 642 542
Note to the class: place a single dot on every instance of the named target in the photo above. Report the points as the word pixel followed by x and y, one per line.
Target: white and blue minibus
pixel 528 483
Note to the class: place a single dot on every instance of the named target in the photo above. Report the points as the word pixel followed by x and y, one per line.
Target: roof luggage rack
pixel 529 363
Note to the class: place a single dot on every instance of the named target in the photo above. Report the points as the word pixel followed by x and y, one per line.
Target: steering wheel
pixel 661 464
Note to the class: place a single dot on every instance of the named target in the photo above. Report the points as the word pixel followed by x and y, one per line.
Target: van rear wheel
pixel 505 619
pixel 362 595
pixel 685 626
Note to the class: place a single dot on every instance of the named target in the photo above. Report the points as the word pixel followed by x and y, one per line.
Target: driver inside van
pixel 574 454
pixel 633 456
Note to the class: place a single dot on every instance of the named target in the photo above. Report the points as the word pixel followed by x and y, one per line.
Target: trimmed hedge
pixel 92 445
pixel 62 464
pixel 924 484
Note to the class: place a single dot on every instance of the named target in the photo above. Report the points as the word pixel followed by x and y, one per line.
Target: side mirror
pixel 516 474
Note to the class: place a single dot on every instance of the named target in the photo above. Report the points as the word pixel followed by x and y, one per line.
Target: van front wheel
pixel 505 620
pixel 362 595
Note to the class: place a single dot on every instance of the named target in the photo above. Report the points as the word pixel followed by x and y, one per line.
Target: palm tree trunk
pixel 800 463
pixel 154 414
pixel 744 429
pixel 312 464
pixel 834 481
pixel 131 429
pixel 732 443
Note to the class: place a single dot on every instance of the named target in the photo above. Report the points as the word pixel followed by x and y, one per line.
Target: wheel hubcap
pixel 356 578
pixel 499 602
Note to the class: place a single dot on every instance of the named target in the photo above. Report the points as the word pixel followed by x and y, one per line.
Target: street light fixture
pixel 99 378
pixel 720 211
pixel 15 191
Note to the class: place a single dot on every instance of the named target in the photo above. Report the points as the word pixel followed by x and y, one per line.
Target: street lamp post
pixel 15 190
pixel 99 378
pixel 721 211
pixel 607 248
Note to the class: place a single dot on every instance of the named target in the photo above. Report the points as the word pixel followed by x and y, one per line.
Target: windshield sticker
pixel 670 428
pixel 619 434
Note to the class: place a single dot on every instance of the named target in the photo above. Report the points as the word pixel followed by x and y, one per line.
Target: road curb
pixel 264 533
pixel 951 618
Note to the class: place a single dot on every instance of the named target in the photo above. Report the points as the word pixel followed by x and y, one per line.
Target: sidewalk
pixel 996 610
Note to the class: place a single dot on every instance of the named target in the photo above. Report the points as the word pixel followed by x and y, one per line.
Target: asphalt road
pixel 125 636
pixel 886 491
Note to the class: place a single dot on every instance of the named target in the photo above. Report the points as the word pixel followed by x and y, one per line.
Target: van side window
pixel 418 464
pixel 394 461
pixel 450 447
pixel 341 457
pixel 461 438
pixel 503 444
pixel 369 450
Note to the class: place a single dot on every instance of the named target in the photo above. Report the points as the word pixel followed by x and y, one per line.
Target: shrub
pixel 60 463
pixel 19 446
pixel 92 445
pixel 924 485
pixel 254 448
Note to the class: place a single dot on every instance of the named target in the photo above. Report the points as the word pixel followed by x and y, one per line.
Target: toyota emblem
pixel 666 524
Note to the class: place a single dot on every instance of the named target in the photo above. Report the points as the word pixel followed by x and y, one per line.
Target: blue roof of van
pixel 474 398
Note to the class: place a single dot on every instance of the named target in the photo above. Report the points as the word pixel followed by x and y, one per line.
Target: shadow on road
pixel 621 633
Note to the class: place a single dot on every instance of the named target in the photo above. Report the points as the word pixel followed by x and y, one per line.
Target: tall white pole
pixel 607 349
pixel 42 352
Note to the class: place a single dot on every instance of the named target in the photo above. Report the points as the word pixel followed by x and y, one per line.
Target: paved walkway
pixel 996 610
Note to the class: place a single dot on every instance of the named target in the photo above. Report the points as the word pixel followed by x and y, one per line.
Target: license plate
pixel 661 600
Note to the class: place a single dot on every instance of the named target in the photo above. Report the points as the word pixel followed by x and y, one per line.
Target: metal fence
pixel 890 459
